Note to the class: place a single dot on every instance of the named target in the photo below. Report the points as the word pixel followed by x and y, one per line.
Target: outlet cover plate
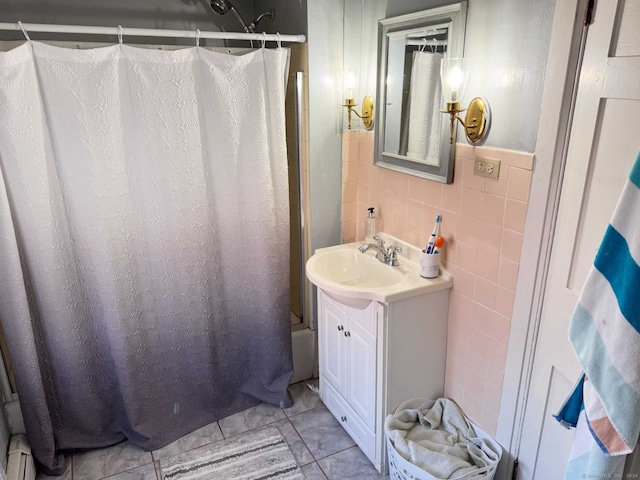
pixel 487 167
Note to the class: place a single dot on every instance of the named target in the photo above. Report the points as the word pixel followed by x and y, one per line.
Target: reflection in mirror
pixel 412 135
pixel 413 94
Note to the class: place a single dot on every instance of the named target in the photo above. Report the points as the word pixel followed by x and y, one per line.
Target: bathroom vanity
pixel 382 337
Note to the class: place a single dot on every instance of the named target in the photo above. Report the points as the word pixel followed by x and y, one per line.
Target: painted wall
pixel 165 14
pixel 325 123
pixel 360 40
pixel 291 15
pixel 326 50
pixel 507 43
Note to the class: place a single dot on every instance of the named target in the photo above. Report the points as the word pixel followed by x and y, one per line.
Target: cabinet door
pixel 361 368
pixel 332 331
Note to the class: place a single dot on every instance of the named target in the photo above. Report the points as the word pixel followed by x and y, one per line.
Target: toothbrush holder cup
pixel 429 265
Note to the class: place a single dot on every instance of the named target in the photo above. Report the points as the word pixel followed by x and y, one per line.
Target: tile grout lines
pixel 224 437
pixel 315 460
pixel 155 469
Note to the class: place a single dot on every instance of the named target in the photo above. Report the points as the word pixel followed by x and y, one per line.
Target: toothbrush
pixel 434 235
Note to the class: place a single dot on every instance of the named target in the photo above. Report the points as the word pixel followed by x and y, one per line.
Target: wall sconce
pixel 477 122
pixel 367 111
pixel 350 103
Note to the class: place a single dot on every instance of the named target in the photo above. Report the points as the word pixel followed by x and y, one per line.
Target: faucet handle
pixel 380 241
pixel 392 255
pixel 393 249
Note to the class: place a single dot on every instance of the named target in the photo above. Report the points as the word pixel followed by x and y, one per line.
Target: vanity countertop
pixel 342 271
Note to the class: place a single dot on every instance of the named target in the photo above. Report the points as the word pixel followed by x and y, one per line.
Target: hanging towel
pixel 424 108
pixel 604 406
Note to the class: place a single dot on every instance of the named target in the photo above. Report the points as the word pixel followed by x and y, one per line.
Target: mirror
pixel 412 136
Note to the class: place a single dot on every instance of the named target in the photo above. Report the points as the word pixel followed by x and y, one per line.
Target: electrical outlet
pixel 487 167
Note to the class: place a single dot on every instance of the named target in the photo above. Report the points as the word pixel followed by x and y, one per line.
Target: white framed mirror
pixel 411 135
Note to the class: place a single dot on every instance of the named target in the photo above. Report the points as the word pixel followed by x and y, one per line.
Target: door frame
pixel 562 74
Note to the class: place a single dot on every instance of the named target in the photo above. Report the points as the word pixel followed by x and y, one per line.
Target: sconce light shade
pixel 454 73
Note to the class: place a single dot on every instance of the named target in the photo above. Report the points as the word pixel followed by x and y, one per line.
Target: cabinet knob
pixel 347 334
pixel 343 418
pixel 340 328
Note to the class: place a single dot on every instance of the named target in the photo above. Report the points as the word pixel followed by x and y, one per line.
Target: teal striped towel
pixel 605 333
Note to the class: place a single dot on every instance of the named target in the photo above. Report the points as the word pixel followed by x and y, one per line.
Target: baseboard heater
pixel 20 465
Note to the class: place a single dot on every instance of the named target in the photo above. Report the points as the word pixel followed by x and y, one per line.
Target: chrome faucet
pixel 388 255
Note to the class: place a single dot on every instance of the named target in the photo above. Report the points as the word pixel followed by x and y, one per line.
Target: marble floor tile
pixel 65 476
pixel 158 469
pixel 321 432
pixel 251 418
pixel 313 472
pixel 319 443
pixel 202 436
pixel 297 446
pixel 145 472
pixel 100 463
pixel 304 398
pixel 350 464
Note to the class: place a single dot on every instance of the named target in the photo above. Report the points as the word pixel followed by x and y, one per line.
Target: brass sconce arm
pixel 476 122
pixel 367 111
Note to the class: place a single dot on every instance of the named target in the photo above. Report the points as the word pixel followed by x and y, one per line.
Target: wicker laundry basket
pixel 401 469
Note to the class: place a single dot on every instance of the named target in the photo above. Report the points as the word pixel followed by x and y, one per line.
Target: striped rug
pixel 259 455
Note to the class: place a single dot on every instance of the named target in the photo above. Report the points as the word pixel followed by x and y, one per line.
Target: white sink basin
pixel 351 268
pixel 343 271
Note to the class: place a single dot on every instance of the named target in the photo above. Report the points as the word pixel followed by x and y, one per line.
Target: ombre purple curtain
pixel 144 268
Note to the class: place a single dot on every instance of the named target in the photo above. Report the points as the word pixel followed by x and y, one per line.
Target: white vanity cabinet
pixel 374 356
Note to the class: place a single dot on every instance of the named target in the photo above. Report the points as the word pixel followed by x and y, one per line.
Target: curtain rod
pixel 428 43
pixel 150 32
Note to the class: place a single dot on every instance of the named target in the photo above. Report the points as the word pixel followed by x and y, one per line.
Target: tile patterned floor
pixel 320 445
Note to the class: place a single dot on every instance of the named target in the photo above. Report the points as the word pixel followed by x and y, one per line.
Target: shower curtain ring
pixel 120 34
pixel 278 40
pixel 24 31
pixel 197 37
pixel 264 39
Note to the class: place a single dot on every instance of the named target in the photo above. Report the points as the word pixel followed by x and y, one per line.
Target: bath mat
pixel 259 455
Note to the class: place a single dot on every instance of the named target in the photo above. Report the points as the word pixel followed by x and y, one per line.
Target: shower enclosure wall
pixel 296 152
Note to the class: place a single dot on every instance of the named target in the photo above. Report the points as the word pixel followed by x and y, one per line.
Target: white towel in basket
pixel 439 440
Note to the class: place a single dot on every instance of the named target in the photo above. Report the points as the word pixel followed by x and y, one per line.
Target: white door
pixel 604 142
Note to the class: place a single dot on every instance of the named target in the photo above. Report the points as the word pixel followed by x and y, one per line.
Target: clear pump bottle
pixel 370 227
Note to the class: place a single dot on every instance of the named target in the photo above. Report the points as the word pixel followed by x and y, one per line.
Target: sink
pixel 345 272
pixel 351 268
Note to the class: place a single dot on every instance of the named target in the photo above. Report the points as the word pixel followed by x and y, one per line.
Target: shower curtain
pixel 143 240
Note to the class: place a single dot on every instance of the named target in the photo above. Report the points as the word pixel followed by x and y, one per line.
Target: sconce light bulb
pixel 350 82
pixel 456 76
pixel 455 79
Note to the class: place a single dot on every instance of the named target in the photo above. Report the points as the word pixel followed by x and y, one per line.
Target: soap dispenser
pixel 370 227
